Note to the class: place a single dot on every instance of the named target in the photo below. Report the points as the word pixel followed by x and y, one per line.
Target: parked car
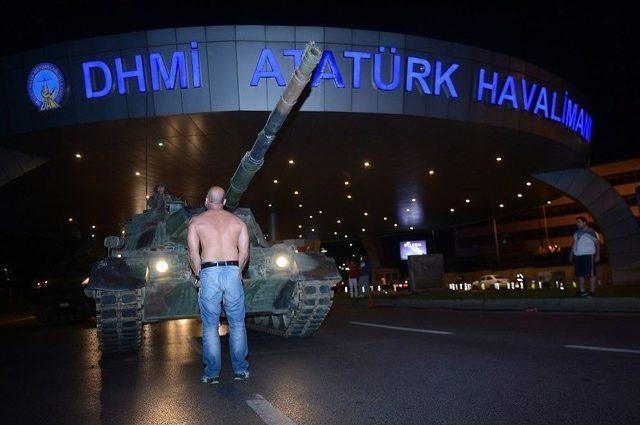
pixel 489 281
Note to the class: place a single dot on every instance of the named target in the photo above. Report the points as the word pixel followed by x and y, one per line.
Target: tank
pixel 146 276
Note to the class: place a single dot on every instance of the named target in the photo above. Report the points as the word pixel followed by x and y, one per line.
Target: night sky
pixel 594 47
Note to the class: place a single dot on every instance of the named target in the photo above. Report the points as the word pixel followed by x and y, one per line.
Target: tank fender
pixel 113 274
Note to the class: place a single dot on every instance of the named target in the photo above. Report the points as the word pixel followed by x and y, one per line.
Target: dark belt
pixel 218 264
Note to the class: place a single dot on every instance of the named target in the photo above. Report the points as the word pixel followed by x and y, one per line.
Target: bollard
pixel 370 300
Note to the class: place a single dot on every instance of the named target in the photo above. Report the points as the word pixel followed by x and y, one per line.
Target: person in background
pixel 159 200
pixel 365 274
pixel 354 274
pixel 585 253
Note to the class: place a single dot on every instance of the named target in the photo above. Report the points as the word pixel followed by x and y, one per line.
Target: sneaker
pixel 242 376
pixel 582 294
pixel 210 381
pixel 592 293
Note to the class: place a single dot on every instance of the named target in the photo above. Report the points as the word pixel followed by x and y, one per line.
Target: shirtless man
pixel 224 240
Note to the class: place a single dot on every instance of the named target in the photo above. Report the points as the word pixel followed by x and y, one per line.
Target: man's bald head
pixel 215 196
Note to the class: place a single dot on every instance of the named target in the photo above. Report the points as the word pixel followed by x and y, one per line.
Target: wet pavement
pixel 369 366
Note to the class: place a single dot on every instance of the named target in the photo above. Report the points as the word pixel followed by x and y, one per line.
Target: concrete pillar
pixel 373 250
pixel 273 226
pixel 614 217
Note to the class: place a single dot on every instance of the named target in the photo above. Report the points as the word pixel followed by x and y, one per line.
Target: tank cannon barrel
pixel 253 159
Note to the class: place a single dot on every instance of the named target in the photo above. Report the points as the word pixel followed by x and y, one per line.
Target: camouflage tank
pixel 146 275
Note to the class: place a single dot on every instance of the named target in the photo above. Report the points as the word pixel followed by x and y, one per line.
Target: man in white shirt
pixel 585 253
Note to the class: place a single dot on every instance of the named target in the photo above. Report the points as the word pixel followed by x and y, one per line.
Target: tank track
pixel 312 300
pixel 119 320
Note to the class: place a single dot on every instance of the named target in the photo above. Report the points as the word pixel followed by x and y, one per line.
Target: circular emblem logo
pixel 46 86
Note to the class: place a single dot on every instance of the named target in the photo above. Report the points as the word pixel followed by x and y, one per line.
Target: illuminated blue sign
pixel 389 71
pixel 434 77
pixel 518 93
pixel 99 76
pixel 46 86
pixel 418 71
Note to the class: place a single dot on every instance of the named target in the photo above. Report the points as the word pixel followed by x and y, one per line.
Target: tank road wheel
pixel 311 302
pixel 119 320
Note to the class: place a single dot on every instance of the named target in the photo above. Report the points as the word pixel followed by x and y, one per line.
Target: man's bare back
pixel 221 235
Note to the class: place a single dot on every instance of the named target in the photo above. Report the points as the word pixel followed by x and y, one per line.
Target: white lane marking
pixel 613 350
pixel 195 345
pixel 399 328
pixel 269 414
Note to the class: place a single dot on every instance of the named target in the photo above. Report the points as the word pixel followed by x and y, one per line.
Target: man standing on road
pixel 363 280
pixel 585 253
pixel 354 274
pixel 224 240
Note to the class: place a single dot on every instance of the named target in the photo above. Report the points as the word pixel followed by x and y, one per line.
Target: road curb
pixel 599 305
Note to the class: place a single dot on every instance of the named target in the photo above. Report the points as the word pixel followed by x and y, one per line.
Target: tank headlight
pixel 282 261
pixel 162 266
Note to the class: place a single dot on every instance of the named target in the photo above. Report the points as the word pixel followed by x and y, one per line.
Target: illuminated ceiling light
pixel 350 244
pixel 395 224
pixel 452 209
pixel 501 205
pixel 137 173
pixel 364 230
pixel 299 226
pixel 122 232
pixel 296 192
pixel 366 213
pixel 70 219
pixel 346 183
pixel 299 205
pixel 346 236
pixel 431 172
pixel 410 227
pixel 313 230
pixel 79 155
pixel 147 196
pixel 275 181
pixel 348 196
pixel 335 233
pixel 519 195
pixel 413 199
pixel 320 212
pixel 467 200
pixel 93 227
pixel 498 158
pixel 367 164
pixel 291 162
pixel 408 209
pixel 528 183
pixel 384 218
pixel 310 216
pixel 548 202
pixel 93 236
pixel 160 143
pixel 299 236
pixel 338 221
pixel 270 205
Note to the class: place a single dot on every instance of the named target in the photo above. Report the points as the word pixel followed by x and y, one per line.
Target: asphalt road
pixel 364 366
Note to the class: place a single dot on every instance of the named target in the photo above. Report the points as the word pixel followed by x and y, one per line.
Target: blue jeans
pixel 222 284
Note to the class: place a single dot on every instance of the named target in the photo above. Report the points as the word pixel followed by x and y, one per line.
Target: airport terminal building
pixel 397 134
